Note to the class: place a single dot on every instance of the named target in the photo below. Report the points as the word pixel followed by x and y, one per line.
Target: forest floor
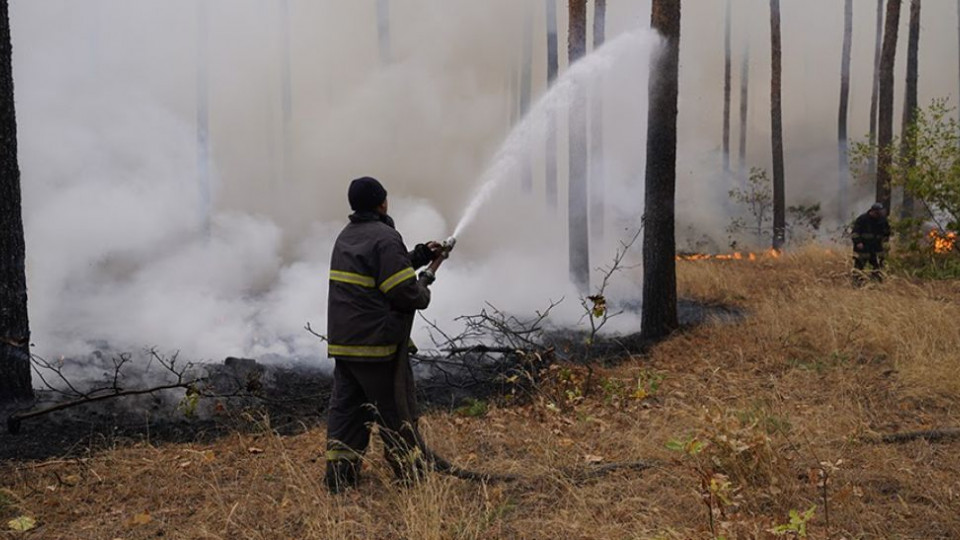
pixel 746 422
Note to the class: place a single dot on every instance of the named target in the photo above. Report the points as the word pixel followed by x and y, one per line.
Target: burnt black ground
pixel 294 399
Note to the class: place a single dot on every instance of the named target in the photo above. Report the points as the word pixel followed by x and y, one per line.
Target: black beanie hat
pixel 366 194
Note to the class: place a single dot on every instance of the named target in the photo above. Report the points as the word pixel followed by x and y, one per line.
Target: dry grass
pixel 816 368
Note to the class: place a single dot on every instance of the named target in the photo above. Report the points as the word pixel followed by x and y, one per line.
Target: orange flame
pixel 942 242
pixel 735 256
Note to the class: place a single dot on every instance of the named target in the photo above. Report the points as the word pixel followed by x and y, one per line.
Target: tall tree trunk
pixel 553 66
pixel 744 102
pixel 727 89
pixel 597 168
pixel 910 100
pixel 776 120
pixel 885 104
pixel 383 31
pixel 286 93
pixel 875 95
pixel 843 206
pixel 526 88
pixel 14 327
pixel 203 111
pixel 659 310
pixel 577 183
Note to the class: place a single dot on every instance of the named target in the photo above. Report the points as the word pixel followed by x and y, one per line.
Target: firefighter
pixel 373 293
pixel 871 232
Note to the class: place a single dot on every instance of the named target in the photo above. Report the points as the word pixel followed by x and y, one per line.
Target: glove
pixel 421 255
pixel 428 277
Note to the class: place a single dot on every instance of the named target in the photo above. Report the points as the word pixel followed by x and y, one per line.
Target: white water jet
pixel 533 126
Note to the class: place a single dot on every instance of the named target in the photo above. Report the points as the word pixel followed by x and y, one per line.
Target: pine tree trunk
pixel 383 31
pixel 875 95
pixel 776 120
pixel 910 100
pixel 286 94
pixel 597 168
pixel 526 86
pixel 553 66
pixel 885 104
pixel 744 102
pixel 727 89
pixel 203 111
pixel 844 112
pixel 577 185
pixel 659 310
pixel 14 326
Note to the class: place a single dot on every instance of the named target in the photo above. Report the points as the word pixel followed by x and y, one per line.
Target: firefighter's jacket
pixel 372 286
pixel 872 232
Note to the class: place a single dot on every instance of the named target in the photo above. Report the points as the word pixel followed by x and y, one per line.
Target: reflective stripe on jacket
pixel 372 284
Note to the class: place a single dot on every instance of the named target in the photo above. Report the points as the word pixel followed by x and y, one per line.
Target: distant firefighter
pixel 871 232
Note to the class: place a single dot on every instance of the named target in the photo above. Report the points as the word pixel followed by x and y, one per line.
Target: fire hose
pixel 405 395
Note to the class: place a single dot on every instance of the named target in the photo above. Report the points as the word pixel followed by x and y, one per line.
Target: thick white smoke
pixel 122 254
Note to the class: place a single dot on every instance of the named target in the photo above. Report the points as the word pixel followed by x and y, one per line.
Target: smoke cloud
pixel 123 252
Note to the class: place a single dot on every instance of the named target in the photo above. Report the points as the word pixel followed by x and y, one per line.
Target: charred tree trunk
pixel 286 94
pixel 875 95
pixel 14 327
pixel 776 120
pixel 910 100
pixel 553 66
pixel 526 86
pixel 885 104
pixel 659 310
pixel 383 31
pixel 744 102
pixel 727 89
pixel 844 112
pixel 203 112
pixel 597 169
pixel 577 184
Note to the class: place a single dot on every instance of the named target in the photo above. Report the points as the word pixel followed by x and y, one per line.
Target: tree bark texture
pixel 776 120
pixel 842 117
pixel 577 184
pixel 659 309
pixel 597 168
pixel 286 94
pixel 14 325
pixel 910 101
pixel 744 103
pixel 727 89
pixel 383 31
pixel 553 66
pixel 526 91
pixel 875 95
pixel 885 104
pixel 203 111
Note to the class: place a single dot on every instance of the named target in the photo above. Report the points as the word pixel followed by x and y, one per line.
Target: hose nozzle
pixel 447 246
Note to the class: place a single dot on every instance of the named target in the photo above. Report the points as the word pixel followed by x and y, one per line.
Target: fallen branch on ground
pixel 907 436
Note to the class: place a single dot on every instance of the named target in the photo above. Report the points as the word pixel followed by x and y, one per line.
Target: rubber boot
pixel 341 475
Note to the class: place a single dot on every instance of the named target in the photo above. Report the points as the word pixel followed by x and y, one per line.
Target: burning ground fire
pixel 943 242
pixel 735 256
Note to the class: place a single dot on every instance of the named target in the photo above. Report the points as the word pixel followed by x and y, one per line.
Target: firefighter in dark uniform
pixel 374 290
pixel 871 232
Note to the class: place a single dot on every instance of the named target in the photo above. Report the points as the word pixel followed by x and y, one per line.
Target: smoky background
pixel 130 246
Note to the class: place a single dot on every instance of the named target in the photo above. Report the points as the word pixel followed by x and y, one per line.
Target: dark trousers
pixel 873 258
pixel 372 392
